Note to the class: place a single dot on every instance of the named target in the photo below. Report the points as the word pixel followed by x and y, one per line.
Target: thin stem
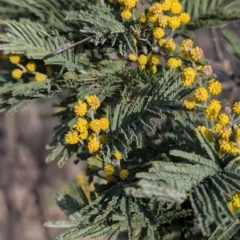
pixel 69 45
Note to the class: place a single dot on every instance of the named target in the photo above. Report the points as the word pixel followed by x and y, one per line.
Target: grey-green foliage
pixel 31 39
pixel 129 119
pixel 208 181
pixel 113 212
pixel 164 194
pixel 99 21
pixel 51 12
pixel 211 13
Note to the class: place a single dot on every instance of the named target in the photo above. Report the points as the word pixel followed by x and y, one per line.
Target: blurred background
pixel 28 185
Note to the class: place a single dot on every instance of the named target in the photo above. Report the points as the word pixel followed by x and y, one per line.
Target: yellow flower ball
pixel 71 137
pixel 225 145
pixel 212 110
pixel 234 204
pixel 196 54
pixel 184 18
pixel 156 8
pixel 226 132
pixel 189 103
pixel 142 60
pixel 187 45
pixel 163 21
pixel 236 107
pixel 170 45
pixel 201 94
pixel 93 145
pixel 83 135
pixel 95 125
pixel 188 76
pixel 152 69
pixel 132 57
pixel 80 108
pixel 93 101
pixel 174 22
pixel 31 66
pixel 142 18
pixel 104 123
pixel 155 59
pixel 174 62
pixel 39 77
pixel 176 8
pixel 166 5
pixel 215 87
pixel 14 59
pixel 117 155
pixel 158 32
pixel 123 174
pixel 126 14
pixel 81 125
pixel 162 42
pixel 109 169
pixel 223 119
pixel 17 73
pixel 152 17
pixel 128 4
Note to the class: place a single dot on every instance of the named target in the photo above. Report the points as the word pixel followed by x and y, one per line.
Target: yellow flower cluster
pixel 80 108
pixel 72 137
pixel 40 77
pixel 213 109
pixel 166 15
pixel 223 119
pixel 88 128
pixel 117 155
pixel 170 8
pixel 225 131
pixel 188 51
pixel 189 103
pixel 152 60
pixel 17 73
pixel 123 174
pixel 215 87
pixel 158 33
pixel 234 203
pixel 109 169
pixel 93 102
pixel 196 54
pixel 174 62
pixel 236 107
pixel 31 66
pixel 127 6
pixel 201 94
pixel 132 57
pixel 14 59
pixel 167 45
pixel 188 76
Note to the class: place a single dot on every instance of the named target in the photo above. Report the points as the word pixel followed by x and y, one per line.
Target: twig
pixel 69 45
